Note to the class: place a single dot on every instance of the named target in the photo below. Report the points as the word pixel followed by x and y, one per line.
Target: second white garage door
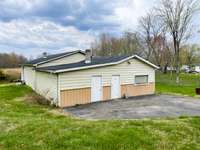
pixel 115 87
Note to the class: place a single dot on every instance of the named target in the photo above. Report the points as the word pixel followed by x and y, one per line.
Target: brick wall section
pixel 75 96
pixel 106 93
pixel 137 90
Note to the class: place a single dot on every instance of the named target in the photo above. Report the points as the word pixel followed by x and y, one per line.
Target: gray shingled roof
pixel 50 57
pixel 95 61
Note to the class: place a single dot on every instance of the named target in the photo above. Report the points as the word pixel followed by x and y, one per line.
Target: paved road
pixel 140 107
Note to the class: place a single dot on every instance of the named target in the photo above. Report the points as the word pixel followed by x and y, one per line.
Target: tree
pixel 107 45
pixel 155 44
pixel 102 46
pixel 162 55
pixel 177 17
pixel 11 60
pixel 131 43
pixel 146 34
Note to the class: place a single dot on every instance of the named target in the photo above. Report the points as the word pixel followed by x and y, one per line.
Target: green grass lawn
pixel 187 85
pixel 27 125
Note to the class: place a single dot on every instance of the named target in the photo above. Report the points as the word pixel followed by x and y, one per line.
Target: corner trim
pixel 58 91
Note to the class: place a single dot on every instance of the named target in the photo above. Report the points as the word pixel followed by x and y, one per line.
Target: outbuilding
pixel 74 78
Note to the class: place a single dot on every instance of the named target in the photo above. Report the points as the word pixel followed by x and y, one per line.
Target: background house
pixel 197 68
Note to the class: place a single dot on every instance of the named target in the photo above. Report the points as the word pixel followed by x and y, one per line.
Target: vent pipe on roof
pixel 44 54
pixel 88 56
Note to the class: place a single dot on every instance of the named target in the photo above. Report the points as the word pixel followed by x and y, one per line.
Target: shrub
pixel 10 75
pixel 2 75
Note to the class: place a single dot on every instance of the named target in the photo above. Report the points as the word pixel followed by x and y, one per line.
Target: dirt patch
pixel 7 126
pixel 34 98
pixel 59 112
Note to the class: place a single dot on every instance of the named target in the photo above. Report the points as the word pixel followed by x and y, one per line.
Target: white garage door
pixel 96 88
pixel 115 87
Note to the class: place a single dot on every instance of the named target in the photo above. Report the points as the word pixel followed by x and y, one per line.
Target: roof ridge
pixel 63 53
pixel 51 57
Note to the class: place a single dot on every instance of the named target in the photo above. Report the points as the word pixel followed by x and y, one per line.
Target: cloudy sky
pixel 31 27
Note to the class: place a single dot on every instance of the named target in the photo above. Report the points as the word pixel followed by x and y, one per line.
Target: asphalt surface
pixel 156 106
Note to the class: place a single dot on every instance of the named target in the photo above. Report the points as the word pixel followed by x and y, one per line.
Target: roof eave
pixel 147 62
pixel 27 64
pixel 47 71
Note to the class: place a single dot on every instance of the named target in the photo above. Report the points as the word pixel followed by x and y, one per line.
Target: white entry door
pixel 96 89
pixel 115 87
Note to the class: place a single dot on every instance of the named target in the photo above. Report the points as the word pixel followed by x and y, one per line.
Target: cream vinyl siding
pixel 65 60
pixel 29 76
pixel 46 85
pixel 127 72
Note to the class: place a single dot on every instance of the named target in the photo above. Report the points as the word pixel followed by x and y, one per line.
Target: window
pixel 141 79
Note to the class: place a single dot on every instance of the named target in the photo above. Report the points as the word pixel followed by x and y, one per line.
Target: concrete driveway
pixel 140 107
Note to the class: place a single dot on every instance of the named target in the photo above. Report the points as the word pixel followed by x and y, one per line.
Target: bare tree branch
pixel 177 17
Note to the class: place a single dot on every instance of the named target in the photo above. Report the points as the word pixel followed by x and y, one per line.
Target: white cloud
pixel 130 11
pixel 70 18
pixel 124 15
pixel 33 26
pixel 45 35
pixel 20 6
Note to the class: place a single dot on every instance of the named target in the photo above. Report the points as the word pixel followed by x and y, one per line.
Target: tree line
pixel 162 55
pixel 161 36
pixel 11 60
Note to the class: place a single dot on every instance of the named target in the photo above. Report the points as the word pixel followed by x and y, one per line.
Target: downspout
pixel 35 79
pixel 22 74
